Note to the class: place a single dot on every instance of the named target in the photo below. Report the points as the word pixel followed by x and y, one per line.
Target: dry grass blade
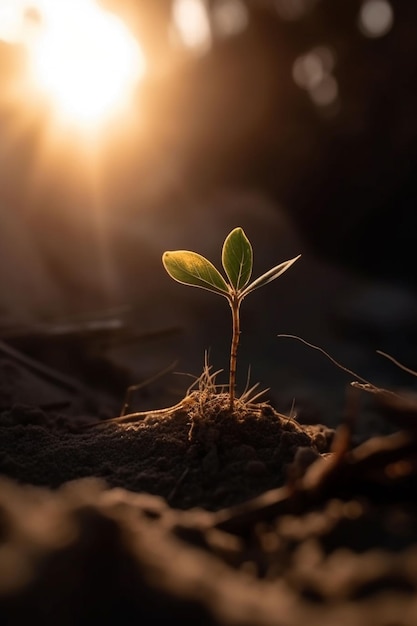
pixel 247 397
pixel 143 384
pixel 397 363
pixel 402 409
pixel 327 355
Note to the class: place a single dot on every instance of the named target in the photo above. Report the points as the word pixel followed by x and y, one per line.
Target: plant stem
pixel 235 306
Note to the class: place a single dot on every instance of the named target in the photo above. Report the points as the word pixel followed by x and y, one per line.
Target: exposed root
pixel 203 397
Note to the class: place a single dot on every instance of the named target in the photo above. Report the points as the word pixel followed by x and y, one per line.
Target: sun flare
pixel 83 60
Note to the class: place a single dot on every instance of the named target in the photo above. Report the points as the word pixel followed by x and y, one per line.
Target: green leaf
pixel 193 269
pixel 269 276
pixel 237 258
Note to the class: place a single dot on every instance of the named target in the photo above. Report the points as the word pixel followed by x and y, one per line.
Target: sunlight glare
pixel 84 60
pixel 11 20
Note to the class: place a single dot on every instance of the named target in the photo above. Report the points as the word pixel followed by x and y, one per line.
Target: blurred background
pixel 131 127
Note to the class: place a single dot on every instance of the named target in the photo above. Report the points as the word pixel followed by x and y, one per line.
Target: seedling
pixel 190 268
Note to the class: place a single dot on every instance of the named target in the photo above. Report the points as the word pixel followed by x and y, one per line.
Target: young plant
pixel 193 269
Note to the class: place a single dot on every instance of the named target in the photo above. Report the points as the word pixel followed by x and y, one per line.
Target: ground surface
pixel 197 516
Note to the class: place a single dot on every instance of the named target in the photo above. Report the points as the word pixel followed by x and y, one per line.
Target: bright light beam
pixel 84 60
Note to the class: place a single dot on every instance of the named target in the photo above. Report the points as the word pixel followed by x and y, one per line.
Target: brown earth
pixel 196 515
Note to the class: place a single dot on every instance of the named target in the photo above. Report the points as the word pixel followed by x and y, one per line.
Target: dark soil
pixel 208 461
pixel 197 515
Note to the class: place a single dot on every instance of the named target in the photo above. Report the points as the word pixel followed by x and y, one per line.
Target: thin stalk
pixel 235 306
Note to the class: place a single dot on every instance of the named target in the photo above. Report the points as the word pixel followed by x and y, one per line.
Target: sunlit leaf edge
pixel 269 276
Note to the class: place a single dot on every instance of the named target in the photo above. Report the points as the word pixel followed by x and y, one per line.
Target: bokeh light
pixel 291 10
pixel 376 18
pixel 313 72
pixel 308 70
pixel 191 24
pixel 325 92
pixel 230 17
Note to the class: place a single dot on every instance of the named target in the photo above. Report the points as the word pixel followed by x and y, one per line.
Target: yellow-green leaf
pixel 193 269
